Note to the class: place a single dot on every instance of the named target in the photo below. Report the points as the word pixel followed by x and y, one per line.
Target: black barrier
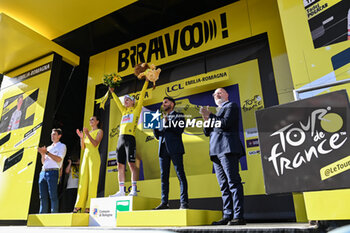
pixel 305 145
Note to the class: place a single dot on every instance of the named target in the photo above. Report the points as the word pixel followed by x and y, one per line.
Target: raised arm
pixel 142 93
pixel 95 141
pixel 81 136
pixel 116 100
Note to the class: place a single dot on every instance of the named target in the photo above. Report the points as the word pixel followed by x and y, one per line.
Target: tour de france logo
pixel 306 141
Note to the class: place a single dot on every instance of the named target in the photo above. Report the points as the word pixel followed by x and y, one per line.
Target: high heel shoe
pixel 77 210
pixel 87 210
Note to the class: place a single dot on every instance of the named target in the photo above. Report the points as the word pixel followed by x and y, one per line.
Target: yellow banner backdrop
pixel 22 106
pixel 190 94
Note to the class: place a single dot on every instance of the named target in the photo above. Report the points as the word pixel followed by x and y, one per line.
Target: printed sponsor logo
pixel 114 131
pixel 251 132
pixel 105 213
pixel 112 170
pixel 253 142
pixel 175 89
pixel 127 118
pixel 254 152
pixel 335 168
pixel 123 205
pixel 325 140
pixel 254 103
pixel 95 211
pixel 112 155
pixel 149 138
pixel 112 163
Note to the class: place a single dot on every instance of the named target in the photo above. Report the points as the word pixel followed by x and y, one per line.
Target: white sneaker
pixel 118 194
pixel 133 193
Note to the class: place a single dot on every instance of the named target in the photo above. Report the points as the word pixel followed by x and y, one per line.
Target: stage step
pixel 103 211
pixel 171 217
pixel 58 220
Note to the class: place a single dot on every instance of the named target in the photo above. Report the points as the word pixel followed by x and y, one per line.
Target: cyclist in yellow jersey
pixel 126 148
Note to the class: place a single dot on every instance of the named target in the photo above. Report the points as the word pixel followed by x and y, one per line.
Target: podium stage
pixel 126 212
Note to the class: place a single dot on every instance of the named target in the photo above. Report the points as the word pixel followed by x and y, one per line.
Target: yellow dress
pixel 131 115
pixel 89 173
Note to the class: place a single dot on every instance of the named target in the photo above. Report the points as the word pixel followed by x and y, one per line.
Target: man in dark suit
pixel 171 148
pixel 225 151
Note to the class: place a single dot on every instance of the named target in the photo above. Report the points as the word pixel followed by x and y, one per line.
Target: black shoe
pixel 162 206
pixel 222 221
pixel 183 206
pixel 236 221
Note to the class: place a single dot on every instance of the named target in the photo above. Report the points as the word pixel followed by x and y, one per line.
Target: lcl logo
pixel 174 88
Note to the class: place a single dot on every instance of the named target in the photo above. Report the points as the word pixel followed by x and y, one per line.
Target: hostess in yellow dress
pixel 89 173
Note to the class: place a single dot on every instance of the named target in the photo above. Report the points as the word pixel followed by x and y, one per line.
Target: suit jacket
pixel 172 136
pixel 225 140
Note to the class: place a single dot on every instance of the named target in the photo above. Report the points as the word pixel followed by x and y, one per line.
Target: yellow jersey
pixel 131 115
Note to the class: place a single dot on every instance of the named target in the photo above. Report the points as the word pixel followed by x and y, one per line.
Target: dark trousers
pixel 164 160
pixel 227 172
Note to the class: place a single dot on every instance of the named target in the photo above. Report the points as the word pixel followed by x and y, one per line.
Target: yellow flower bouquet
pixel 110 80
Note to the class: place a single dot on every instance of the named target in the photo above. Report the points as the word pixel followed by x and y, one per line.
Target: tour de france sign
pixel 305 145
